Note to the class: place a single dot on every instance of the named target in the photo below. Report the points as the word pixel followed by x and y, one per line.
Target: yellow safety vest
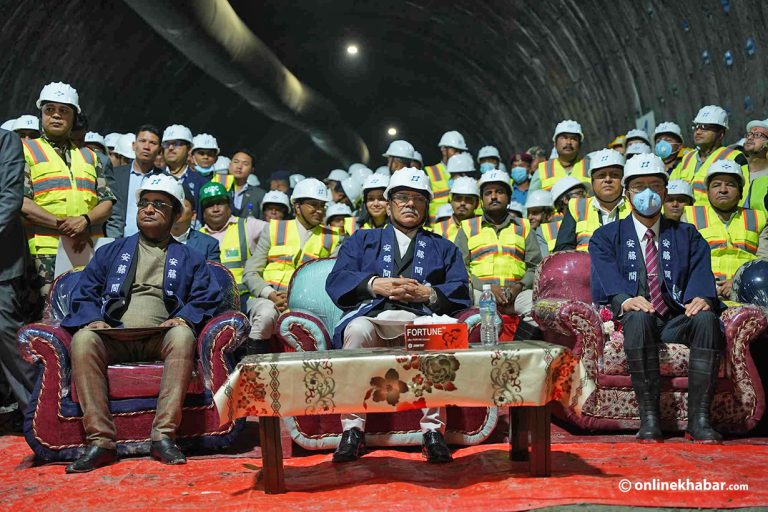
pixel 552 171
pixel 758 189
pixel 731 246
pixel 61 191
pixel 350 226
pixel 686 170
pixel 447 229
pixel 225 179
pixel 588 219
pixel 438 180
pixel 235 250
pixel 368 225
pixel 550 230
pixel 286 255
pixel 496 259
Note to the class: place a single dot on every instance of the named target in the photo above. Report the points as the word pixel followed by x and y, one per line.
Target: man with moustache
pixel 756 149
pixel 584 215
pixel 568 138
pixel 383 279
pixel 465 196
pixel 177 143
pixel 145 280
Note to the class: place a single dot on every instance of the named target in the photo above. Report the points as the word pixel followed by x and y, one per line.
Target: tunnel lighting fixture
pixel 352 49
pixel 392 131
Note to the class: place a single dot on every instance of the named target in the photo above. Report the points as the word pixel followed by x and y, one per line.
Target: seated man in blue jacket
pixel 145 280
pixel 656 275
pixel 395 274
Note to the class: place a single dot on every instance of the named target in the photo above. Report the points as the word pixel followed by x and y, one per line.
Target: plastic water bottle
pixel 488 334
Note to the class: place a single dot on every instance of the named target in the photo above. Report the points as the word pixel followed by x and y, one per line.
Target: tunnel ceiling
pixel 501 72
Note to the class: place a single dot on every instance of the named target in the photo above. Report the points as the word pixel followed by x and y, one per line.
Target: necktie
pixel 652 270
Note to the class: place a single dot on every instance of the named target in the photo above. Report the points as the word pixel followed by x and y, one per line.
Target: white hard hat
pixel 680 187
pixel 757 123
pixel 563 185
pixel 8 125
pixel 453 139
pixel 724 167
pixel 111 139
pixel 162 183
pixel 59 92
pixel 95 138
pixel 337 209
pixel 637 148
pixel 383 170
pixel 276 197
pixel 444 211
pixel 514 206
pixel 27 122
pixel 400 149
pixel 354 166
pixel 124 145
pixel 254 181
pixel 488 152
pixel 668 127
pixel 410 178
pixel 203 141
pixel 539 199
pixel 460 162
pixel 177 132
pixel 221 165
pixel 417 157
pixel 294 179
pixel 568 126
pixel 375 181
pixel 712 114
pixel 495 176
pixel 605 158
pixel 352 189
pixel 360 174
pixel 644 164
pixel 311 188
pixel 337 175
pixel 466 186
pixel 637 134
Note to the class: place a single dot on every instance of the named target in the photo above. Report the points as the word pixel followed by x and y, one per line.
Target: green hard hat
pixel 211 191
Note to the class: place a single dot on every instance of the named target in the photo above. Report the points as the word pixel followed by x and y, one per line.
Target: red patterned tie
pixel 652 270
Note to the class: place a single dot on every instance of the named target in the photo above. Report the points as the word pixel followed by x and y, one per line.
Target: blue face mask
pixel 486 166
pixel 647 203
pixel 519 175
pixel 663 149
pixel 204 170
pixel 450 183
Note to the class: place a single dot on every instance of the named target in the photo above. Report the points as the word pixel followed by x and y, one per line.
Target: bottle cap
pixel 486 287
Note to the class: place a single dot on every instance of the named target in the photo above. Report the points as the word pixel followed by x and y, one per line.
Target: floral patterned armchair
pixel 53 422
pixel 605 400
pixel 308 325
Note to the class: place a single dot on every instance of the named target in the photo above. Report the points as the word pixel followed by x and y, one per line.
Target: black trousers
pixel 643 330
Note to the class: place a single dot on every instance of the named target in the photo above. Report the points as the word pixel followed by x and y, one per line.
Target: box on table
pixel 436 336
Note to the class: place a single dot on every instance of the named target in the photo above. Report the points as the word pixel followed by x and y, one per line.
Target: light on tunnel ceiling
pixel 352 49
pixel 392 131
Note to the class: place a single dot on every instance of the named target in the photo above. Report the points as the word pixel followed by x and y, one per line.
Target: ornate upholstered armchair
pixel 309 325
pixel 52 424
pixel 605 400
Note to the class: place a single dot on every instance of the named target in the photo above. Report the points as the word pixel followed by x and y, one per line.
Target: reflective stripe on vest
pixel 225 179
pixel 549 231
pixel 234 251
pixel 496 258
pixel 687 170
pixel 447 229
pixel 552 171
pixel 587 220
pixel 733 246
pixel 60 190
pixel 438 181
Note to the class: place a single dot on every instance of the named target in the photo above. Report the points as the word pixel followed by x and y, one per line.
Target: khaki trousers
pixel 92 353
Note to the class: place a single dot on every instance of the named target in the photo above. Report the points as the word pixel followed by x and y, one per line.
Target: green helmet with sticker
pixel 212 191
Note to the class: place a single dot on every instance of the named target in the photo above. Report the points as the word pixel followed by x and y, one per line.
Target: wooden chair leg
pixel 540 463
pixel 271 455
pixel 518 432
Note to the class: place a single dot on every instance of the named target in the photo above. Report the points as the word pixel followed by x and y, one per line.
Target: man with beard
pixel 465 196
pixel 756 149
pixel 568 138
pixel 383 279
pixel 584 215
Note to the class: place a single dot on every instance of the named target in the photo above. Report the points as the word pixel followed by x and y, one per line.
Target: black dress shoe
pixel 434 448
pixel 167 452
pixel 351 446
pixel 94 457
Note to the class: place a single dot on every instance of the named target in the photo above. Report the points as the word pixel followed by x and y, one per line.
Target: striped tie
pixel 652 270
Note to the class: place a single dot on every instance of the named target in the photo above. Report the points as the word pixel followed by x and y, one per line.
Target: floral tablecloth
pixel 389 380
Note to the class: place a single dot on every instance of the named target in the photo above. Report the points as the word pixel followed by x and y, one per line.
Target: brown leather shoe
pixel 93 457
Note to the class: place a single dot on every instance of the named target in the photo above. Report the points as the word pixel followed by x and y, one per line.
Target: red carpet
pixel 481 478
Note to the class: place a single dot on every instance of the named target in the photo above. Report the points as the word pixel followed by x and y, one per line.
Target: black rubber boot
pixel 703 365
pixel 644 371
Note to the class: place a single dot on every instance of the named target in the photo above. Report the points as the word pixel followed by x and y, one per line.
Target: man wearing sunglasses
pixel 145 280
pixel 709 127
pixel 383 279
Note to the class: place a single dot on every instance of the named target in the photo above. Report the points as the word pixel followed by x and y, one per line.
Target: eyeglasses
pixel 755 135
pixel 402 199
pixel 315 205
pixel 656 187
pixel 705 127
pixel 156 204
pixel 174 143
